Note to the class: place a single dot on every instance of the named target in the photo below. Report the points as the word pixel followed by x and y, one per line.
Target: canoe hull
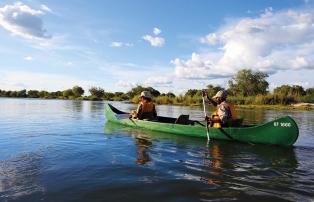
pixel 282 131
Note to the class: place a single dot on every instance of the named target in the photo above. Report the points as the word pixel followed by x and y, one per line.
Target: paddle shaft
pixel 205 114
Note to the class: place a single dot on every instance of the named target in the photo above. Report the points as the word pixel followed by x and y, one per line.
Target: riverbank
pixel 296 106
pixel 308 107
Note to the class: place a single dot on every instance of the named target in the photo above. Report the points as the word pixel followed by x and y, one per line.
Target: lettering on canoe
pixel 282 124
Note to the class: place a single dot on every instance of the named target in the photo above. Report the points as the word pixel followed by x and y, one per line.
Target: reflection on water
pixel 142 151
pixel 229 170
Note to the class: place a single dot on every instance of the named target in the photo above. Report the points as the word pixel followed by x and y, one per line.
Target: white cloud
pixel 210 39
pixel 125 84
pixel 16 80
pixel 156 31
pixel 45 8
pixel 118 44
pixel 158 81
pixel 23 21
pixel 154 41
pixel 271 42
pixel 29 58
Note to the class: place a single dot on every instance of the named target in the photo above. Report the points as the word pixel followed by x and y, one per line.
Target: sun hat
pixel 146 94
pixel 221 94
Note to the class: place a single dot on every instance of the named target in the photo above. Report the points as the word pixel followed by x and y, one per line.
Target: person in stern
pixel 225 115
pixel 146 108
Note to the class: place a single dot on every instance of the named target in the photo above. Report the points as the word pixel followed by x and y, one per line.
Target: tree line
pixel 246 87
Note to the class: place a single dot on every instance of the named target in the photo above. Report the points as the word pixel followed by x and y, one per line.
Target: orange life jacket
pixel 147 106
pixel 216 123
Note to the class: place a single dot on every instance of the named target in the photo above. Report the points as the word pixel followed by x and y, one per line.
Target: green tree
pixel 310 91
pixel 33 93
pixel 171 95
pixel 21 93
pixel 13 94
pixel 97 92
pixel 7 93
pixel 67 93
pixel 193 92
pixel 294 90
pixel 43 94
pixel 136 91
pixel 212 90
pixel 247 83
pixel 77 91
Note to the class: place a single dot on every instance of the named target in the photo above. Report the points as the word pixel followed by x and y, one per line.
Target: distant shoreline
pixel 296 106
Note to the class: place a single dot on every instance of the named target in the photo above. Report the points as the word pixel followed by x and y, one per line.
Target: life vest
pixel 147 111
pixel 215 120
pixel 147 106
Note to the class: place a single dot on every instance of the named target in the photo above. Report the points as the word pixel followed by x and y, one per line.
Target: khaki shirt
pixel 224 112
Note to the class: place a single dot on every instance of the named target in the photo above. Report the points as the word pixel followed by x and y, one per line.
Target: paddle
pixel 205 114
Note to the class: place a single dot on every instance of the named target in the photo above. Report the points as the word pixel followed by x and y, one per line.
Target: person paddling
pixel 146 108
pixel 225 113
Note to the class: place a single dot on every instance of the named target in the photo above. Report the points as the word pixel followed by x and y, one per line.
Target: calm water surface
pixel 55 150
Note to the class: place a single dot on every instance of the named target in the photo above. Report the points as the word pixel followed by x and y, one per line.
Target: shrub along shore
pixel 246 89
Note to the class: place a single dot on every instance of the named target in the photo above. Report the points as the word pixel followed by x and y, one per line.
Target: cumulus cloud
pixel 159 81
pixel 271 42
pixel 154 40
pixel 45 8
pixel 210 39
pixel 118 44
pixel 156 31
pixel 23 21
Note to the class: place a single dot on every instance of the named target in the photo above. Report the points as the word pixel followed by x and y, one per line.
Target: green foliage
pixel 136 91
pixel 247 83
pixel 171 95
pixel 77 91
pixel 97 92
pixel 67 93
pixel 294 90
pixel 212 90
pixel 33 93
pixel 193 92
pixel 43 94
pixel 309 92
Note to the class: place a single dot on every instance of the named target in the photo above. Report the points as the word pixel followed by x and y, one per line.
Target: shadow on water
pixel 220 170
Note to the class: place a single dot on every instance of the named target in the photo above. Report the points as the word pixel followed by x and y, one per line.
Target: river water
pixel 56 150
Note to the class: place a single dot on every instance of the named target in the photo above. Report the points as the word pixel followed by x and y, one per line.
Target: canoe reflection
pixel 213 161
pixel 237 161
pixel 142 152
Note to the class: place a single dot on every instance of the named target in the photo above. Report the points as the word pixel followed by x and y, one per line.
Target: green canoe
pixel 282 131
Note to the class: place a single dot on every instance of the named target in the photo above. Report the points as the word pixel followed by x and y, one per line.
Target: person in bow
pixel 146 109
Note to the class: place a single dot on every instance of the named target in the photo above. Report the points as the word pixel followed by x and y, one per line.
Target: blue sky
pixel 169 45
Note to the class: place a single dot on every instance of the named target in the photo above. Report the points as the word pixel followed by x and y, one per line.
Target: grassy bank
pixel 277 107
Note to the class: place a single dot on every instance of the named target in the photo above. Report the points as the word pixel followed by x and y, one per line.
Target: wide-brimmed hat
pixel 146 94
pixel 221 94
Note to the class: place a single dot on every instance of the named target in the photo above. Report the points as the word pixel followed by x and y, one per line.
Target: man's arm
pixel 210 100
pixel 138 111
